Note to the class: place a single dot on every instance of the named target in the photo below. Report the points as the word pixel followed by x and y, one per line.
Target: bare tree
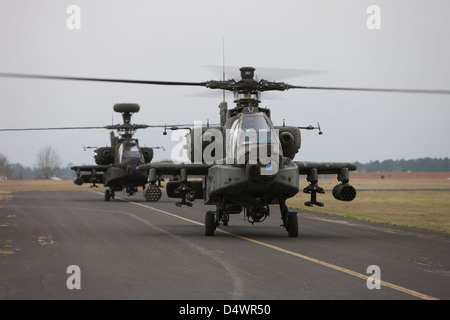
pixel 5 168
pixel 47 162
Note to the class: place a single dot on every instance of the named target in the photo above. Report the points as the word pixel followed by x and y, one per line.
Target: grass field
pixel 12 186
pixel 419 203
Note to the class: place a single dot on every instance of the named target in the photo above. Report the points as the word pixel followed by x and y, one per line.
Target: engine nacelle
pixel 147 153
pixel 344 192
pixel 290 139
pixel 104 156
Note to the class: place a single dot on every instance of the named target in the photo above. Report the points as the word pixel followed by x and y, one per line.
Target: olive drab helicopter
pixel 116 165
pixel 236 178
pixel 246 163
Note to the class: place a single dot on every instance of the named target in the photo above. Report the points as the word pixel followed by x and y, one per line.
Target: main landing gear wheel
pixel 210 225
pixel 292 227
pixel 107 195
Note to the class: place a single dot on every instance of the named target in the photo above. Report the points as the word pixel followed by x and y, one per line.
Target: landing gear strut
pixel 210 225
pixel 213 219
pixel 290 221
pixel 109 194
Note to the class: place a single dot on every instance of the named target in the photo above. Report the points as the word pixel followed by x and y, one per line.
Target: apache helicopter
pixel 246 162
pixel 242 178
pixel 115 165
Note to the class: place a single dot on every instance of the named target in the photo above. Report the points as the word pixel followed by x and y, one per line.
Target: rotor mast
pixel 246 90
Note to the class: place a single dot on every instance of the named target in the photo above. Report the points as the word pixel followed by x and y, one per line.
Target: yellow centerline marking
pixel 292 253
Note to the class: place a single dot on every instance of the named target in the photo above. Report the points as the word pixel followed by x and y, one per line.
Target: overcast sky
pixel 181 40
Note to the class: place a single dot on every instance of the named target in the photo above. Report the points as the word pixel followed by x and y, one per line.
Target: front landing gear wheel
pixel 107 195
pixel 292 227
pixel 210 225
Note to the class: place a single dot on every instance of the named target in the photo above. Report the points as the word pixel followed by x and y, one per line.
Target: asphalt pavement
pixel 74 245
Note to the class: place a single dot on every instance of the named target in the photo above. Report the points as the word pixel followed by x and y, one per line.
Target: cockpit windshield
pixel 250 131
pixel 256 122
pixel 129 150
pixel 256 129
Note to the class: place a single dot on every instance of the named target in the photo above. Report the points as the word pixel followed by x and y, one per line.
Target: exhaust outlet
pixel 344 192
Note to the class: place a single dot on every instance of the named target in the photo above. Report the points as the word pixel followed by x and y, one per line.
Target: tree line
pixel 413 165
pixel 48 166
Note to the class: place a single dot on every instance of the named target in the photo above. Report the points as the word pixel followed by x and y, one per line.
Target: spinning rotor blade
pixel 42 129
pixel 373 89
pixel 110 127
pixel 33 76
pixel 230 85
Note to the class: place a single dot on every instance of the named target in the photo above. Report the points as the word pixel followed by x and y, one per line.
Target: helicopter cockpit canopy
pixel 257 124
pixel 129 150
pixel 253 138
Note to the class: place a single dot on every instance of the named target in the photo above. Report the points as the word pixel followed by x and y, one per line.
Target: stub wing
pixel 305 167
pixel 343 191
pixel 180 188
pixel 178 169
pixel 90 168
pixel 89 174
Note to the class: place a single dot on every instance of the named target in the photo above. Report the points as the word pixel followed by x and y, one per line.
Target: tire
pixel 107 195
pixel 209 224
pixel 292 228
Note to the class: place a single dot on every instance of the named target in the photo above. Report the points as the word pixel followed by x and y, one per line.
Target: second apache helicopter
pixel 246 163
pixel 116 165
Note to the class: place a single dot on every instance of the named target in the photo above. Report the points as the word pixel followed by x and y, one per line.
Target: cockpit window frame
pixel 237 132
pixel 257 129
pixel 123 152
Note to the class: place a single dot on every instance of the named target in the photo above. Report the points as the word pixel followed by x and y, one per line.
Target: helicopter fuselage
pixel 247 164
